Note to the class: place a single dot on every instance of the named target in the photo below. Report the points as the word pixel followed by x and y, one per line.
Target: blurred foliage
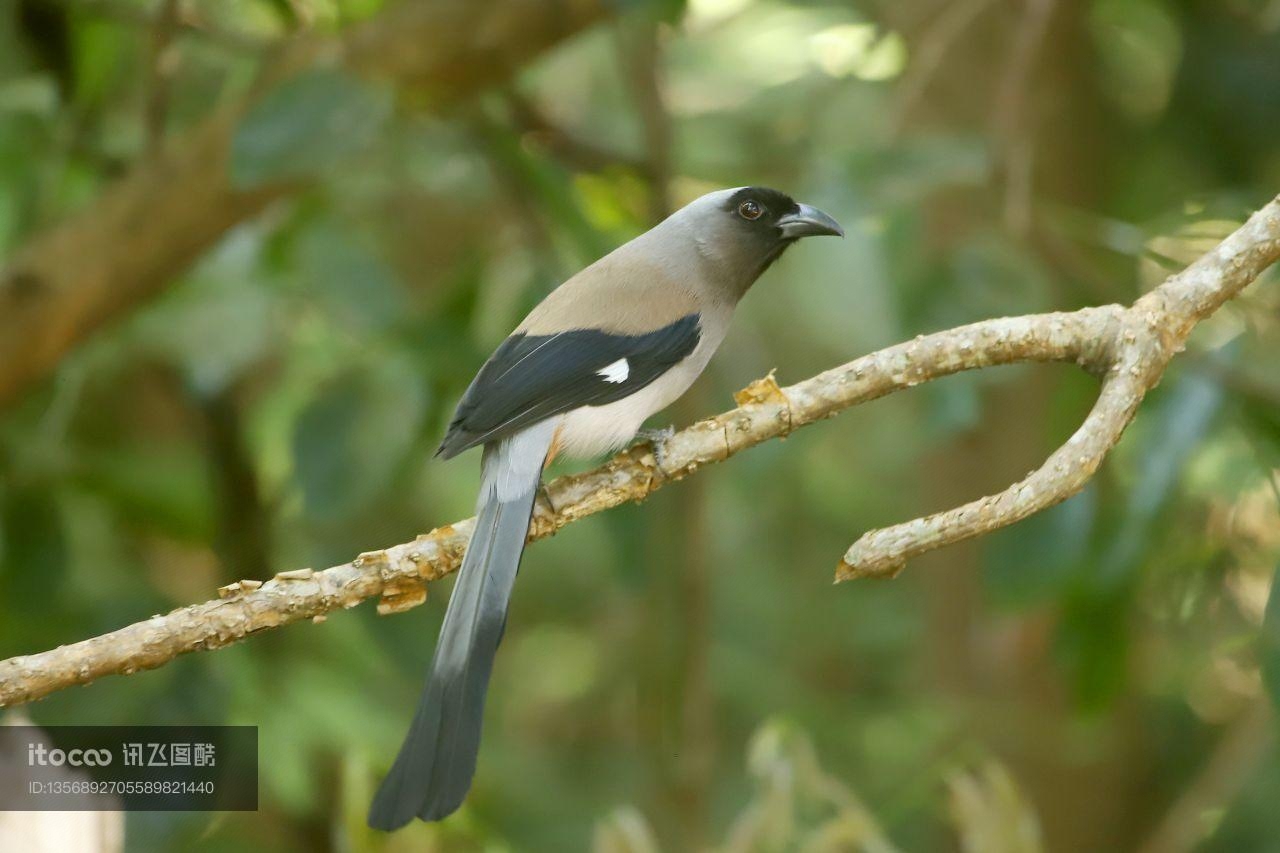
pixel 796 806
pixel 307 124
pixel 991 813
pixel 278 405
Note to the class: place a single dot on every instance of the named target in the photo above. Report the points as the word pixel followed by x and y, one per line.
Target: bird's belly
pixel 596 430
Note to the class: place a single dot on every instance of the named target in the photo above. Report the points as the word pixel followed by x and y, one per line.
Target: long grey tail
pixel 433 770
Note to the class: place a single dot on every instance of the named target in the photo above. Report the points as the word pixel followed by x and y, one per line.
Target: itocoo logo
pixel 38 754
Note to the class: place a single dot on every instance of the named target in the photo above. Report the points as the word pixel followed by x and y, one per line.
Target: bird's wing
pixel 533 377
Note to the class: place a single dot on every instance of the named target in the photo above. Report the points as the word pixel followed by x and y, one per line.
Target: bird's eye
pixel 750 210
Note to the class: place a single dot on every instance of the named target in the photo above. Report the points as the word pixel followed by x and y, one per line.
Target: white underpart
pixel 616 372
pixel 593 430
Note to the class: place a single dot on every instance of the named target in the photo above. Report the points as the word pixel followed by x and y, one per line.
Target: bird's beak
pixel 809 222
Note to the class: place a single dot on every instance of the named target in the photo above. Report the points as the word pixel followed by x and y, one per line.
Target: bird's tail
pixel 433 770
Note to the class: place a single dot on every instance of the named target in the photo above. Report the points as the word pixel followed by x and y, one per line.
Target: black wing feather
pixel 533 377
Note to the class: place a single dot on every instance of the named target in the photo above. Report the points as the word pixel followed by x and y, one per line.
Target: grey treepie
pixel 610 347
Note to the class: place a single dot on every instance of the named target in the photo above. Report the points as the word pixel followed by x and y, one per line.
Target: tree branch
pixel 76 277
pixel 1128 347
pixel 1131 354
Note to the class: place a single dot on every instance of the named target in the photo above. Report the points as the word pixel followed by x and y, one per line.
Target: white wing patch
pixel 616 372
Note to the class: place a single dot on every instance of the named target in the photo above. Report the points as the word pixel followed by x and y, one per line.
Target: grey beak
pixel 809 222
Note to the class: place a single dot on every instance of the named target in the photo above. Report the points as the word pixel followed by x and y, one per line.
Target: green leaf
pixel 1179 422
pixel 99 59
pixel 349 441
pixel 1037 560
pixel 1139 48
pixel 353 284
pixel 218 323
pixel 161 488
pixel 310 123
pixel 1094 633
pixel 987 277
pixel 33 547
pixel 668 11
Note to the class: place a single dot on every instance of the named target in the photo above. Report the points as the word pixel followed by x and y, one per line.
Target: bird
pixel 607 349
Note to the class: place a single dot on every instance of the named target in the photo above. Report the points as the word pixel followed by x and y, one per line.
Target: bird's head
pixel 746 229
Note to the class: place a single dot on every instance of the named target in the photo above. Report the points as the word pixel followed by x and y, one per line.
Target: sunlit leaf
pixel 31 94
pixel 624 831
pixel 991 814
pixel 1139 45
pixel 859 50
pixel 797 805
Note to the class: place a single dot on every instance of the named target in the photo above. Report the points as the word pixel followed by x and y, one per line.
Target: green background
pixel 674 674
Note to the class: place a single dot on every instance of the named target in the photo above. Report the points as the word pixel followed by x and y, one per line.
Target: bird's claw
pixel 546 496
pixel 658 439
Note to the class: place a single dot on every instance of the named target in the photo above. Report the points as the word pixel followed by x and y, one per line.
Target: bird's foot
pixel 658 439
pixel 546 498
